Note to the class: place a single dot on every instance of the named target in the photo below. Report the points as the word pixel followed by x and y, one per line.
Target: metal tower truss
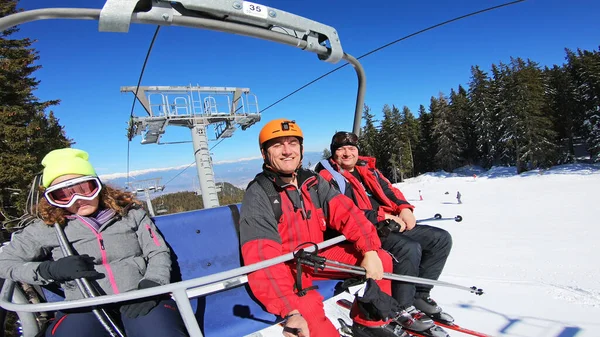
pixel 226 108
pixel 146 187
pixel 195 107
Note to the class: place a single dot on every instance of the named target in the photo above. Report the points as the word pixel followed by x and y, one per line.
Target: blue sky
pixel 85 69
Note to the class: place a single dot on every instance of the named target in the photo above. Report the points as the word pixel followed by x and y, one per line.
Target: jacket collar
pixel 367 161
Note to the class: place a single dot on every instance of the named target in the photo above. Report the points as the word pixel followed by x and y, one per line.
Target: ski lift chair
pixel 25 292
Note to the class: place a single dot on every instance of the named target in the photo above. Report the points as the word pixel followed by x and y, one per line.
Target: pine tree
pixel 540 146
pixel 26 132
pixel 563 107
pixel 369 136
pixel 528 134
pixel 465 124
pixel 458 106
pixel 388 141
pixel 410 139
pixel 399 132
pixel 326 153
pixel 445 133
pixel 426 147
pixel 502 116
pixel 585 69
pixel 480 105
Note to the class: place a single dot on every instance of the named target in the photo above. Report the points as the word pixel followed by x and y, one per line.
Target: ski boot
pixel 391 329
pixel 413 320
pixel 427 305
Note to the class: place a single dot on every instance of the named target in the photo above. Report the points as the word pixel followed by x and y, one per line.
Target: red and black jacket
pixel 391 200
pixel 307 211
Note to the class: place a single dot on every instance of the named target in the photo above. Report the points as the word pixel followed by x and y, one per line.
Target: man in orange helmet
pixel 308 205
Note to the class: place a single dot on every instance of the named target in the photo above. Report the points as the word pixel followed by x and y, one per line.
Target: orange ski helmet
pixel 279 128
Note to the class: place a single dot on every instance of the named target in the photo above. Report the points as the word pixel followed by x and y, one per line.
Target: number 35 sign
pixel 250 8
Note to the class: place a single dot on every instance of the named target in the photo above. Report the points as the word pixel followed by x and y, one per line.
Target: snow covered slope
pixel 531 242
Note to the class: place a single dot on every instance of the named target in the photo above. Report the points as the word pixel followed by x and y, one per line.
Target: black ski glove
pixel 143 306
pixel 377 305
pixel 69 268
pixel 387 226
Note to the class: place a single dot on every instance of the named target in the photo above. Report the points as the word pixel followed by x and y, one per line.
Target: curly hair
pixel 110 197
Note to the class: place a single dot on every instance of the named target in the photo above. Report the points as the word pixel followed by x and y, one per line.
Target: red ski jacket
pixel 391 200
pixel 306 212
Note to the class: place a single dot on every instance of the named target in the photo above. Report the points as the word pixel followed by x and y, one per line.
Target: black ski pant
pixel 164 320
pixel 421 252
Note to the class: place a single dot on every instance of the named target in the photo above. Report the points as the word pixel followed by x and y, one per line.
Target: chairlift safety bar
pixel 181 291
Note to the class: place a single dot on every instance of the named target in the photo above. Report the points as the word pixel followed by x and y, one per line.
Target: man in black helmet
pixel 419 250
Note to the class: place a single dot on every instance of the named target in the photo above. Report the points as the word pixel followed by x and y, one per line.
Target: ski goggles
pixel 66 193
pixel 343 138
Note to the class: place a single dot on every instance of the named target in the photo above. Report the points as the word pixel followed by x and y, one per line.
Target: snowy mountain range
pixel 185 178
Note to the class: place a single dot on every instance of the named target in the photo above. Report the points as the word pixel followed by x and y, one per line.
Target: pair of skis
pixel 348 331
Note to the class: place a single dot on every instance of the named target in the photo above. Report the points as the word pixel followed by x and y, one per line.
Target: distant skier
pixel 420 196
pixel 458 195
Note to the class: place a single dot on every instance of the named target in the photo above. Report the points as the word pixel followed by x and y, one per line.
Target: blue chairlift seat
pixel 206 242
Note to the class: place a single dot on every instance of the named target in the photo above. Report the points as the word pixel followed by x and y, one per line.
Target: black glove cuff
pixel 145 283
pixel 385 227
pixel 375 304
pixel 44 270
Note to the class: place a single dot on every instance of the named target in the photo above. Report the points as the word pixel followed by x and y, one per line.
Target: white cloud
pixel 111 176
pixel 140 172
pixel 236 160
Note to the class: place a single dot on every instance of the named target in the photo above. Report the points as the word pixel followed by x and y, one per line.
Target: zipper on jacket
pixel 100 239
pixel 154 238
pixel 302 209
pixel 306 215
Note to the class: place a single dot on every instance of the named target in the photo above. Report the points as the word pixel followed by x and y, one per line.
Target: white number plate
pixel 250 8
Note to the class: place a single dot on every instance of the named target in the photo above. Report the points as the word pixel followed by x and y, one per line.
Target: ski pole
pixel 438 217
pixel 405 278
pixel 320 262
pixel 87 290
